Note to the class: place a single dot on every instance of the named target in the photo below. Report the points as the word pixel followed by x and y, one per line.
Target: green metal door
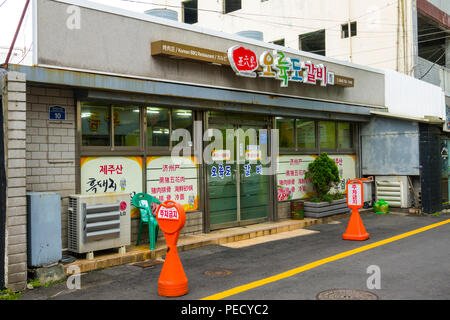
pixel 253 182
pixel 222 187
pixel 238 189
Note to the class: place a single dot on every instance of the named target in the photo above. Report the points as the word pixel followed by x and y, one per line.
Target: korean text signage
pixel 172 49
pixel 275 64
pixel 355 194
pixel 175 179
pixel 112 174
pixel 168 213
pixel 57 113
pixel 292 183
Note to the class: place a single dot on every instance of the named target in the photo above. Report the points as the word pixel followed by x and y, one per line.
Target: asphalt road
pixel 414 267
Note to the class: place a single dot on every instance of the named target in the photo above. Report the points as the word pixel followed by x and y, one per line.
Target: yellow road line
pixel 317 263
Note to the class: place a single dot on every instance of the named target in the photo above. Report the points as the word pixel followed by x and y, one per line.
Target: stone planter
pixel 325 209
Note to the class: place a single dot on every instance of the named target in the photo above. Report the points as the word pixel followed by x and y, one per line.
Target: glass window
pixel 158 126
pixel 126 126
pixel 306 134
pixel 327 134
pixel 345 135
pixel 232 5
pixel 95 124
pixel 182 119
pixel 286 132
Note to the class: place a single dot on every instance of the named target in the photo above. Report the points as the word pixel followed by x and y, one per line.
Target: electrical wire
pixel 242 16
pixel 28 51
pixel 3 3
pixel 337 55
pixel 432 66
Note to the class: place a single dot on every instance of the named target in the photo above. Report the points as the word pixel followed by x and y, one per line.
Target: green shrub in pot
pixel 324 174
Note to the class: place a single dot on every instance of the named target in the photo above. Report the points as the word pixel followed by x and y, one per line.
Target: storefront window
pixel 327 134
pixel 182 119
pixel 158 127
pixel 306 134
pixel 126 126
pixel 345 135
pixel 286 132
pixel 95 124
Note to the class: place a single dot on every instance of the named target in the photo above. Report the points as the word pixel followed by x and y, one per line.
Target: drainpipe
pixel 398 35
pixel 350 30
pixel 406 40
pixel 2 197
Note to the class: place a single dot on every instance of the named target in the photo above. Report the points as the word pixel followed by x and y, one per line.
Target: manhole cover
pixel 218 273
pixel 346 294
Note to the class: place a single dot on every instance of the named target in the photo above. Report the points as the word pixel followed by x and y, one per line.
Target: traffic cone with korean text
pixel 172 280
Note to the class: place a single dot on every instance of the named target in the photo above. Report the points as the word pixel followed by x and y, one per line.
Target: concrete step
pixel 140 253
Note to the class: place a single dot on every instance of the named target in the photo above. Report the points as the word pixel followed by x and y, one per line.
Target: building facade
pixel 112 97
pixel 407 36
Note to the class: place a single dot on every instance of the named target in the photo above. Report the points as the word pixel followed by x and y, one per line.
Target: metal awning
pixel 122 88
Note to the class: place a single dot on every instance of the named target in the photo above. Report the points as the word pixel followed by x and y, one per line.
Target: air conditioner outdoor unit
pixel 394 190
pixel 99 222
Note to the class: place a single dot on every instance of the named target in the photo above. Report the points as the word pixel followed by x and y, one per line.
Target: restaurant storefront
pixel 130 147
pixel 150 123
pixel 224 125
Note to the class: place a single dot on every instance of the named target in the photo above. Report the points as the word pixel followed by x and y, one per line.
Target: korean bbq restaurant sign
pixel 244 62
pixel 275 64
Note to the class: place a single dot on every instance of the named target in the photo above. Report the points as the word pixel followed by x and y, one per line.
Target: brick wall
pixel 14 109
pixel 284 210
pixel 50 146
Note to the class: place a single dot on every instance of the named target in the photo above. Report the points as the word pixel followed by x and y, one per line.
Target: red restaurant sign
pixel 275 64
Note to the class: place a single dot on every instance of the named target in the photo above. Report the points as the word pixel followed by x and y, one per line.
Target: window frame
pixel 317 149
pixel 143 149
pixel 184 12
pixel 345 30
pixel 280 42
pixel 308 150
pixel 225 7
pixel 112 132
pixel 301 45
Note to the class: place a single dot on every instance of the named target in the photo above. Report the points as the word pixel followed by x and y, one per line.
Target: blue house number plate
pixel 57 113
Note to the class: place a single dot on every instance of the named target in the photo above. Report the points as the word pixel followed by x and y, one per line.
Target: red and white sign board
pixel 243 61
pixel 355 194
pixel 168 213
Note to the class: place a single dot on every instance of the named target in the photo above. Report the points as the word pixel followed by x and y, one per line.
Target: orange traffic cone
pixel 355 229
pixel 172 280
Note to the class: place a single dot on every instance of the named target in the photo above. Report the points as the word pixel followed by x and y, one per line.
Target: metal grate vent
pixel 73 225
pixel 101 221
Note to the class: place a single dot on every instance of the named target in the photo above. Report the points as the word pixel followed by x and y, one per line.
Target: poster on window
pixel 347 171
pixel 173 178
pixel 292 183
pixel 112 174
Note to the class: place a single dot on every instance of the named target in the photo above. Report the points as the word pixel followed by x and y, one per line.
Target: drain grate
pixel 346 294
pixel 148 263
pixel 218 273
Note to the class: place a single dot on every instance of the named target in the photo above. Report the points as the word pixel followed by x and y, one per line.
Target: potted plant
pixel 324 174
